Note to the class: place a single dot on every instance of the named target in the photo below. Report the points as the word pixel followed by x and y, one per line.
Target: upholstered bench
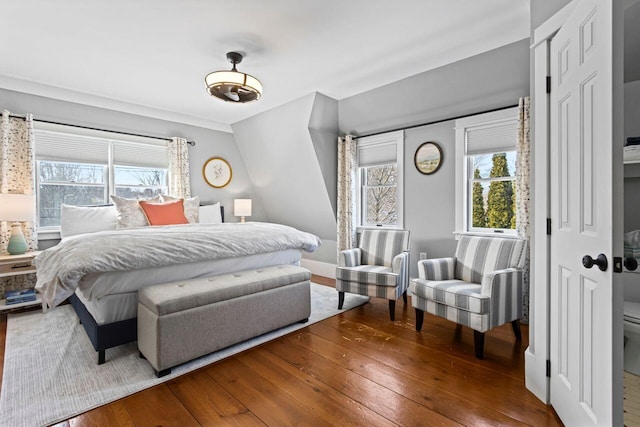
pixel 181 321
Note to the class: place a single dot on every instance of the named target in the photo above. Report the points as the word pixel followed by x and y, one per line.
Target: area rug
pixel 50 372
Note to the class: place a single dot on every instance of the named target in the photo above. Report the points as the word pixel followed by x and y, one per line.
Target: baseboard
pixel 319 268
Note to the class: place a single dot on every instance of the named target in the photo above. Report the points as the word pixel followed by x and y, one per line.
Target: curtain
pixel 179 185
pixel 346 215
pixel 17 175
pixel 523 166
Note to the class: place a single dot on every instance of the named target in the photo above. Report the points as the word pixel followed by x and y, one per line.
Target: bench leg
pixel 101 357
pixel 340 300
pixel 163 372
pixel 304 320
pixel 404 297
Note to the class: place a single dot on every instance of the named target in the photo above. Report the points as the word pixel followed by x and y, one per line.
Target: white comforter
pixel 61 267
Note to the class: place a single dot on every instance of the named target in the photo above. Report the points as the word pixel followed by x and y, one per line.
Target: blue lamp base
pixel 17 242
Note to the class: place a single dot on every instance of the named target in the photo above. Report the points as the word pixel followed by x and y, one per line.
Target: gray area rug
pixel 50 372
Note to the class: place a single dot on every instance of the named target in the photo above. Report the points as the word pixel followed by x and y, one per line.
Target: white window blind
pixel 378 153
pixel 136 154
pixel 492 138
pixel 70 148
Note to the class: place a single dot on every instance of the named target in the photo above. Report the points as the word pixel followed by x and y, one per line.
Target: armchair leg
pixel 419 319
pixel 478 343
pixel 340 300
pixel 404 297
pixel 516 329
pixel 392 309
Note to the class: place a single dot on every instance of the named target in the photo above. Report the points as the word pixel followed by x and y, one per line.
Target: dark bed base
pixel 105 336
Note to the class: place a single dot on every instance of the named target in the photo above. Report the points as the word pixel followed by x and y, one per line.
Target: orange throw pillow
pixel 164 213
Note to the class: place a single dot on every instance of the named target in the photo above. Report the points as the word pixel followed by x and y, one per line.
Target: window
pixel 486 172
pixel 81 167
pixel 380 180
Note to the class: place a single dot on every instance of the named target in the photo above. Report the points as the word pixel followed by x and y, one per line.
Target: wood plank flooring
pixel 357 368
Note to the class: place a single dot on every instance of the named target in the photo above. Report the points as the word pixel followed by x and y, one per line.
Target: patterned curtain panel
pixel 523 222
pixel 17 176
pixel 179 185
pixel 346 193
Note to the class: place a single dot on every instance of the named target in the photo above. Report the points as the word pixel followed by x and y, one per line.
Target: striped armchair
pixel 480 287
pixel 378 267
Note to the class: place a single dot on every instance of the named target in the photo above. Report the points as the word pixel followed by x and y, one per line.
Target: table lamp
pixel 17 208
pixel 242 208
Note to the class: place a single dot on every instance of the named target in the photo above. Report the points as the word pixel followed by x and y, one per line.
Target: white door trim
pixel 537 354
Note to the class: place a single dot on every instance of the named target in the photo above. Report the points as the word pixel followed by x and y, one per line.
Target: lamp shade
pixel 242 207
pixel 17 207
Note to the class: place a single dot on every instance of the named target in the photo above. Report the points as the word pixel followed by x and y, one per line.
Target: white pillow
pixel 129 214
pixel 86 219
pixel 210 214
pixel 190 206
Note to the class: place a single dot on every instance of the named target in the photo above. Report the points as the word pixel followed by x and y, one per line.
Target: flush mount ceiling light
pixel 233 86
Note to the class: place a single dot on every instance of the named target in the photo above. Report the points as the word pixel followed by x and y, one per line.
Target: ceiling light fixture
pixel 233 86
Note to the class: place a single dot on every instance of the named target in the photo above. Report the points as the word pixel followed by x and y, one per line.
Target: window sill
pixel 360 228
pixel 49 234
pixel 459 234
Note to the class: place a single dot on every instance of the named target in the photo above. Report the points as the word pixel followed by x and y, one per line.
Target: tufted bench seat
pixel 180 321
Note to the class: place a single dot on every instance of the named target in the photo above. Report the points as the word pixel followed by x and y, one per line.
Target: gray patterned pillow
pixel 129 214
pixel 191 207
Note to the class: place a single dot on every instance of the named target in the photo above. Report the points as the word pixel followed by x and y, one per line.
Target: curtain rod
pixel 16 116
pixel 435 122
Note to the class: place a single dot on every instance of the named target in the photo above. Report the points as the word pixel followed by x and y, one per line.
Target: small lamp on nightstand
pixel 242 208
pixel 17 208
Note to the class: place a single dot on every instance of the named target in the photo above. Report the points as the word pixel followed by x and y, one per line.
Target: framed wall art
pixel 428 158
pixel 217 172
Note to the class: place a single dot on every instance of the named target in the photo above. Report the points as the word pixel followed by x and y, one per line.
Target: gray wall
pixel 290 152
pixel 491 80
pixel 541 10
pixel 209 142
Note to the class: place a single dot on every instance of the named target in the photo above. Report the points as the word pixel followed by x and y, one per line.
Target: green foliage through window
pixel 493 195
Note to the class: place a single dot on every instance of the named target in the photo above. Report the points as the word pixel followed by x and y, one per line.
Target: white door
pixel 584 322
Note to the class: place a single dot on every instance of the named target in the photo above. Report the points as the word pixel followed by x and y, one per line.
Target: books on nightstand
pixel 24 295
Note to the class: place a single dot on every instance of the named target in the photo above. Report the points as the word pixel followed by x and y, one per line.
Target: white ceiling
pixel 150 57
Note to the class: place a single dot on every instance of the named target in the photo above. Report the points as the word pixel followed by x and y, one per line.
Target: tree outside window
pixel 493 197
pixel 380 195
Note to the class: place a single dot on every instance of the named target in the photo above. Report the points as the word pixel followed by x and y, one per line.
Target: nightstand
pixel 16 265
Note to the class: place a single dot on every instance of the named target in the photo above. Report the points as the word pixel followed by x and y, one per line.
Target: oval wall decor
pixel 217 172
pixel 428 158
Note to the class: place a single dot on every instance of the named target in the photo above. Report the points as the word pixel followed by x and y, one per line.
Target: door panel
pixel 581 186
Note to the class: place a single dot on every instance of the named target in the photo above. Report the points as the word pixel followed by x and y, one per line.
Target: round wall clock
pixel 428 158
pixel 217 172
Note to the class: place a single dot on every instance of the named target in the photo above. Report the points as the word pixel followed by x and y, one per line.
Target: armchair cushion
pixel 477 256
pixel 380 246
pixel 370 274
pixel 437 268
pixel 454 293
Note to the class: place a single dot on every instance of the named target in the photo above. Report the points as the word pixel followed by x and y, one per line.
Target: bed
pixel 101 272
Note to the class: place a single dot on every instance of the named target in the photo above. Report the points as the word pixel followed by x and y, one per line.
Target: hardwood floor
pixel 357 368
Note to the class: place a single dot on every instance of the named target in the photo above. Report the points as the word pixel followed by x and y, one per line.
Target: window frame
pixel 109 163
pixel 464 170
pixel 395 138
